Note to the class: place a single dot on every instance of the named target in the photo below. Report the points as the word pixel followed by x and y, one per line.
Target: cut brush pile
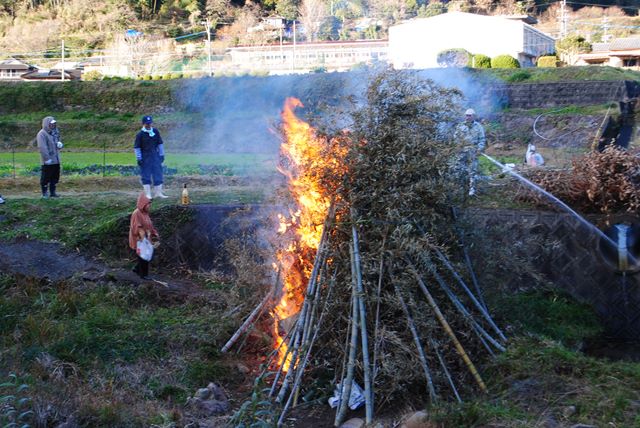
pixel 390 299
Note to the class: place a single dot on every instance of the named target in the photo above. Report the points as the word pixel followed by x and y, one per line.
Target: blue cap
pixel 147 119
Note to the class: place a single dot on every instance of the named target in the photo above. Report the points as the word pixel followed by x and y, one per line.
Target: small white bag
pixel 144 248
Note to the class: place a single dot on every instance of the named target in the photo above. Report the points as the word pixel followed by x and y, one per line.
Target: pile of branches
pixel 598 182
pixel 391 294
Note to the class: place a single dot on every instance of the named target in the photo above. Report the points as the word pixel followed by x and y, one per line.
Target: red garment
pixel 140 219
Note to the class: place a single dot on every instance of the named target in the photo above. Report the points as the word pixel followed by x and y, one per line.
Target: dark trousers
pixel 151 168
pixel 50 175
pixel 142 268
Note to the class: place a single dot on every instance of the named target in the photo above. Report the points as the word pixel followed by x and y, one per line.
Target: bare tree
pixel 312 13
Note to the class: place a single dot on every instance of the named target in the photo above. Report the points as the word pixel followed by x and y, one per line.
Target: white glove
pixel 60 145
pixel 48 162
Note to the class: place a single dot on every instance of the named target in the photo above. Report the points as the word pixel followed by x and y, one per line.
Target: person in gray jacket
pixel 49 148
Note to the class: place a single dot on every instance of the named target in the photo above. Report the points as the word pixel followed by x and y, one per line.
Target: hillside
pixel 34 29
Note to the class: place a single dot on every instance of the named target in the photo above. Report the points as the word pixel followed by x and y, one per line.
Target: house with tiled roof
pixel 12 69
pixel 617 53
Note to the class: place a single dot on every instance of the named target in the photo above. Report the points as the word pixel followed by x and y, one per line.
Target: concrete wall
pixel 575 263
pixel 558 94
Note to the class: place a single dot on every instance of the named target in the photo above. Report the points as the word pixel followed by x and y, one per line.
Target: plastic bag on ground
pixel 355 400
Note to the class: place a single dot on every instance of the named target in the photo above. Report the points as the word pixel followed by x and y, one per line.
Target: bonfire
pixel 374 287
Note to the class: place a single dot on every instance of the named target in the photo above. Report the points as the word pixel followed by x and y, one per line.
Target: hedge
pixel 548 61
pixel 504 61
pixel 481 61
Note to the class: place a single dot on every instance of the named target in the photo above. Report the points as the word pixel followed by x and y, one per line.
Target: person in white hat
pixel 470 136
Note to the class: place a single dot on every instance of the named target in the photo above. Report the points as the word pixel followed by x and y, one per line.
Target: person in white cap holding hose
pixel 149 150
pixel 470 135
pixel 49 144
pixel 532 157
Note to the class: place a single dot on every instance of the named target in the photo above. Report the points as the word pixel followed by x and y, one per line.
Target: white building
pixel 416 43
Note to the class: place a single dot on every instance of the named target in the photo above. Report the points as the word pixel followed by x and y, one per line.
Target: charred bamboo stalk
pixel 475 301
pixel 443 364
pixel 416 339
pixel 252 317
pixel 345 388
pixel 368 391
pixel 291 335
pixel 447 328
pixel 293 397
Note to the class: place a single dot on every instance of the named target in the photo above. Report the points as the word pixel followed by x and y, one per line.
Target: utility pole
pixel 564 19
pixel 293 57
pixel 62 71
pixel 208 24
pixel 605 29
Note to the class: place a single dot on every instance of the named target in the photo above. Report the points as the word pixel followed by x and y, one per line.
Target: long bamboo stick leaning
pixel 467 259
pixel 447 328
pixel 475 301
pixel 250 319
pixel 345 387
pixel 377 322
pixel 293 397
pixel 368 390
pixel 416 339
pixel 443 364
pixel 478 329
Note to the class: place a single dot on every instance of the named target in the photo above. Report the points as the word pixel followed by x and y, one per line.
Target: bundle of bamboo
pixel 388 294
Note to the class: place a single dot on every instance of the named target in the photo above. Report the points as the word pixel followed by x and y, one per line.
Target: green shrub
pixel 92 75
pixel 547 61
pixel 168 76
pixel 157 77
pixel 174 31
pixel 504 61
pixel 175 76
pixel 519 76
pixel 456 57
pixel 147 77
pixel 481 61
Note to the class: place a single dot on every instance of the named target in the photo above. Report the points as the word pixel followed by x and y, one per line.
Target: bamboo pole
pixel 478 329
pixel 447 328
pixel 416 339
pixel 377 322
pixel 368 390
pixel 345 387
pixel 305 360
pixel 467 259
pixel 443 364
pixel 251 318
pixel 475 301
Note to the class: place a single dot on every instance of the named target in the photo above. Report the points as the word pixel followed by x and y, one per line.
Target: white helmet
pixel 470 111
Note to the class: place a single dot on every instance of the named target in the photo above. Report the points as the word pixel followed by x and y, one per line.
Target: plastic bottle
pixel 184 200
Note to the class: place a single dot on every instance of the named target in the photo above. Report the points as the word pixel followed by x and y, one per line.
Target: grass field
pixel 91 163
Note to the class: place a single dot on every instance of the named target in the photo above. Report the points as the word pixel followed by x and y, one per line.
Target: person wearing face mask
pixel 49 145
pixel 149 151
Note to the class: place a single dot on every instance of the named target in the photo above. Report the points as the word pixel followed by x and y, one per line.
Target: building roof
pixel 49 75
pixel 600 47
pixel 13 64
pixel 625 44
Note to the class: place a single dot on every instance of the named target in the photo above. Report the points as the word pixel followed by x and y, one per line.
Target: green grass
pixel 598 109
pixel 28 163
pixel 542 75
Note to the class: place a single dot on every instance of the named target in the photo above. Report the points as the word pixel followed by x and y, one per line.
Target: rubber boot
pixel 44 192
pixel 52 190
pixel 147 190
pixel 157 192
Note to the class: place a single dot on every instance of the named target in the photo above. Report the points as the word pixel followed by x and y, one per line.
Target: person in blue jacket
pixel 149 150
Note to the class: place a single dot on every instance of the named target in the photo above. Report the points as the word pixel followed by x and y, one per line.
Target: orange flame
pixel 302 151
